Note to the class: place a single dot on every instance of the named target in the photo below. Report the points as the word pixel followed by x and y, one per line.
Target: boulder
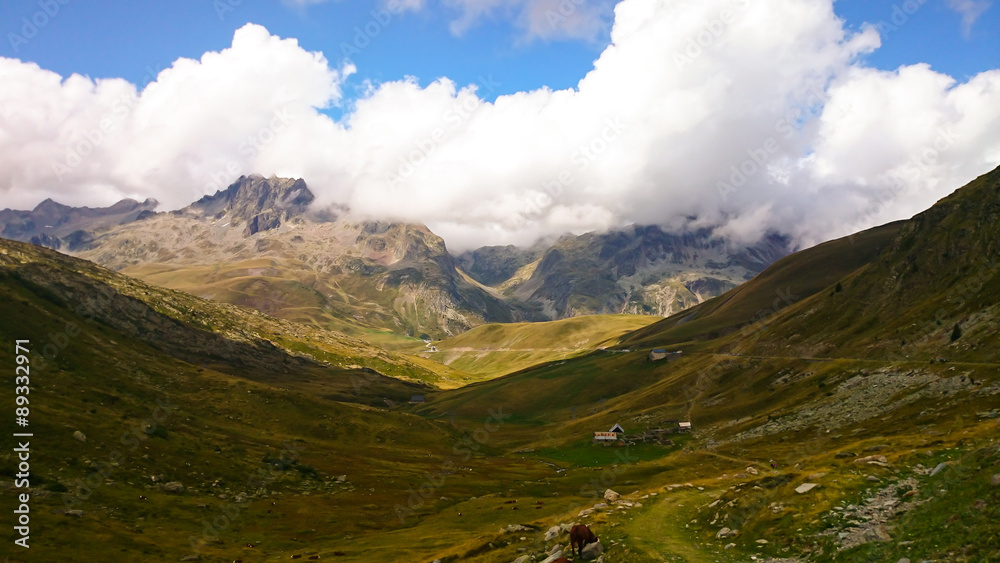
pixel 77 513
pixel 995 480
pixel 752 470
pixel 805 487
pixel 80 436
pixel 938 468
pixel 173 487
pixel 726 533
pixel 592 551
pixel 553 533
pixel 523 559
pixel 611 496
pixel 552 557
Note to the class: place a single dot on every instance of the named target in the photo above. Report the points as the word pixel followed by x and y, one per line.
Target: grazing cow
pixel 580 535
pixel 561 560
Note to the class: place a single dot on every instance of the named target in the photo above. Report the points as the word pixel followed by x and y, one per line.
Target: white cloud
pixel 697 114
pixel 970 10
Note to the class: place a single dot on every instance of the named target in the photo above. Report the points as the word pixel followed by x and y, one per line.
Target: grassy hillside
pixel 785 282
pixel 496 349
pixel 194 329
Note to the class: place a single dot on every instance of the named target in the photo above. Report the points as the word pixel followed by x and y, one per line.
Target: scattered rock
pixel 516 528
pixel 173 487
pixel 938 468
pixel 762 541
pixel 80 436
pixel 592 551
pixel 903 560
pixel 729 546
pixel 726 533
pixel 816 476
pixel 805 487
pixel 552 533
pixel 873 479
pixel 752 470
pixel 341 478
pixel 842 455
pixel 523 559
pixel 552 557
pixel 600 506
pixel 611 496
pixel 192 557
pixel 995 480
pixel 867 458
pixel 77 513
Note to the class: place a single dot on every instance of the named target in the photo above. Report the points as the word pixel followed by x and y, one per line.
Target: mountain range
pixel 259 243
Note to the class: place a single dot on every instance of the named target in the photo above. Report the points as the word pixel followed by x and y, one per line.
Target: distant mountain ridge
pixel 57 226
pixel 257 243
pixel 637 270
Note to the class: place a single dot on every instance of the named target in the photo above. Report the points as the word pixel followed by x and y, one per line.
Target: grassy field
pixel 492 350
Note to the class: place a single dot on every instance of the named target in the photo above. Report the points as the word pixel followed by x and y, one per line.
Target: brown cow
pixel 561 560
pixel 580 535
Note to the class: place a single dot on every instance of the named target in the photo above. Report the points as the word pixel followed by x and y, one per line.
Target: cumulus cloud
pixel 696 115
pixel 970 10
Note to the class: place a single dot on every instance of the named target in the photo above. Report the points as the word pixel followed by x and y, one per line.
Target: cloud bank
pixel 747 117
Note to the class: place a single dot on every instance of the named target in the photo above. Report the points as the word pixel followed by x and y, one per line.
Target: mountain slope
pixel 782 284
pixel 254 244
pixel 941 271
pixel 230 339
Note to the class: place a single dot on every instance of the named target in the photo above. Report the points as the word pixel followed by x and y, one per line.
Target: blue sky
pixel 103 39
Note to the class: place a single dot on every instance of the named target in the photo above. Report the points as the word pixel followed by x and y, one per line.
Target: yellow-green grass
pixel 495 349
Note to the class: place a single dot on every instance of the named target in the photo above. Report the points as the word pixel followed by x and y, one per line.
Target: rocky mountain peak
pixel 258 203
